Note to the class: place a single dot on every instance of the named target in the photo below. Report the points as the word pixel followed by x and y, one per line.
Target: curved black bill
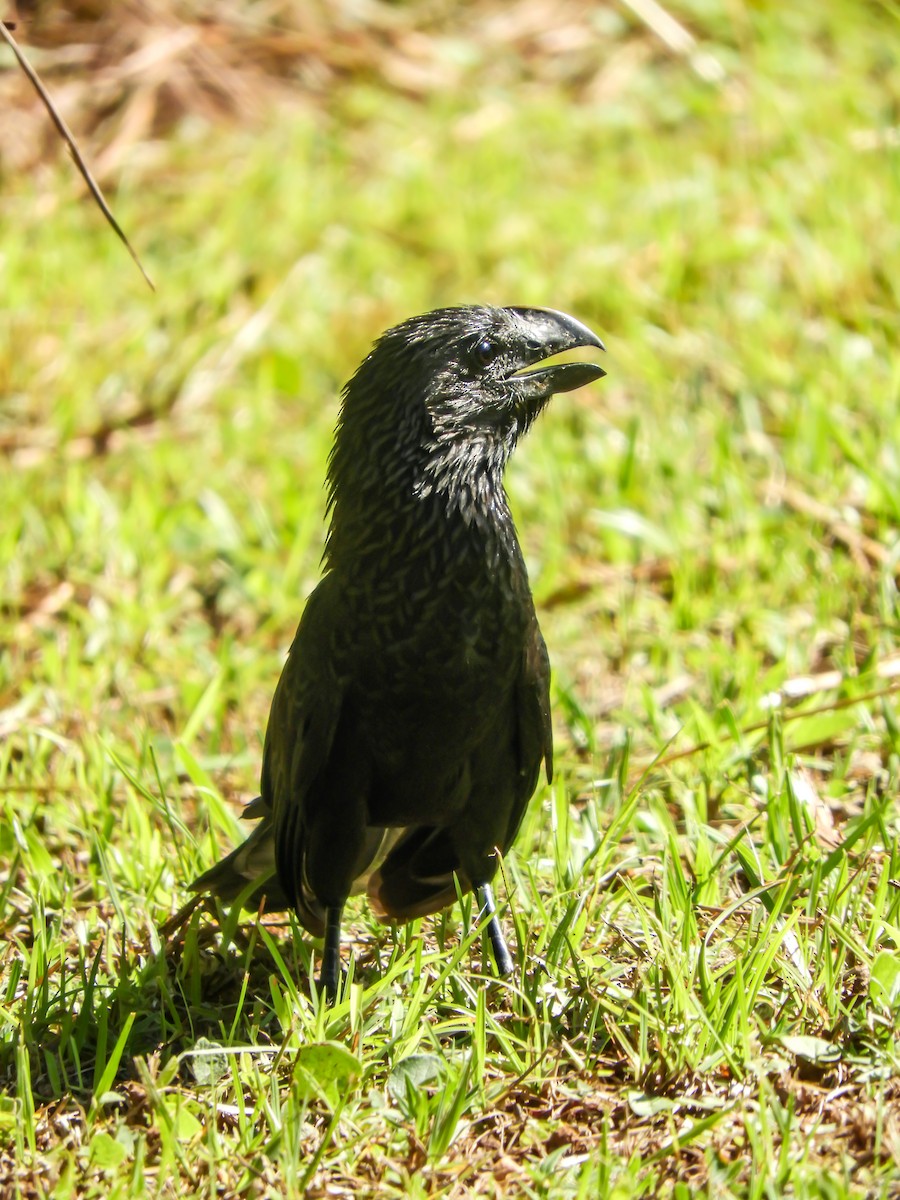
pixel 564 377
pixel 545 333
pixel 548 331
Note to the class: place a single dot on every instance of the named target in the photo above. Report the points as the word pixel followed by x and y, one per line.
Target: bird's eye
pixel 485 350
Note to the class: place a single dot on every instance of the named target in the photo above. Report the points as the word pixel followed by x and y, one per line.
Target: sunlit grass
pixel 704 901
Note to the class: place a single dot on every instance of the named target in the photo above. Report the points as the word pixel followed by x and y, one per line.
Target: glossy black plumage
pixel 412 717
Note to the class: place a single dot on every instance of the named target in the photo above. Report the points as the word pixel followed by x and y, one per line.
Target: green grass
pixel 706 901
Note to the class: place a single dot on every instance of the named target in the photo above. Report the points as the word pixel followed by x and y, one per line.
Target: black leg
pixel 331 956
pixel 502 956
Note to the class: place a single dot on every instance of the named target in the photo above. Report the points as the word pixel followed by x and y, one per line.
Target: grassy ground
pixel 707 900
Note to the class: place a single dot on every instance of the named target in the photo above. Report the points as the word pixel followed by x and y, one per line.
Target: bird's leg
pixel 331 956
pixel 502 956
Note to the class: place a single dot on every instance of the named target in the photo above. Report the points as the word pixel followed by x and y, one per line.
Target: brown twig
pixel 67 136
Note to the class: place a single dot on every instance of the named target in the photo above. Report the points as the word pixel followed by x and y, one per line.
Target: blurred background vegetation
pixel 711 536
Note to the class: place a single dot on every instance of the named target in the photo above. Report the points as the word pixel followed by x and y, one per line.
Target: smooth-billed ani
pixel 412 716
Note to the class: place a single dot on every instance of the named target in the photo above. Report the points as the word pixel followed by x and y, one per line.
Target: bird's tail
pixel 252 862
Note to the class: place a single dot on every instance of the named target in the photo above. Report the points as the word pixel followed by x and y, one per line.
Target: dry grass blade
pixel 883 671
pixel 866 550
pixel 677 38
pixel 67 136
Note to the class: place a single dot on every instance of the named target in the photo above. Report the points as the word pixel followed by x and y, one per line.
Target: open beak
pixel 546 333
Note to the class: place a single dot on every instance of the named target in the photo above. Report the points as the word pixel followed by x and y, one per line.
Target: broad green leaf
pixel 325 1065
pixel 107 1151
pixel 415 1072
pixel 207 1062
pixel 813 1049
pixel 884 982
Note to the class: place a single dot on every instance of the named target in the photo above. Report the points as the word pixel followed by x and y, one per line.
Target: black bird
pixel 412 716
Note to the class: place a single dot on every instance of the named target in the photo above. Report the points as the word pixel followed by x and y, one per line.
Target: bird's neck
pixel 450 510
pixel 466 481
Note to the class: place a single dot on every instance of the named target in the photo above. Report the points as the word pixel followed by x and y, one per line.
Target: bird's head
pixel 449 393
pixel 476 369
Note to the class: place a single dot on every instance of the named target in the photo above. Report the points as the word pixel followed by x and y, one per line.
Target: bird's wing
pixel 317 764
pixel 535 724
pixel 305 708
pixel 302 723
pixel 303 720
pixel 534 728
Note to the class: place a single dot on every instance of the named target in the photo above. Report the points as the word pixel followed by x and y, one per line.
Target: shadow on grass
pixel 83 1023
